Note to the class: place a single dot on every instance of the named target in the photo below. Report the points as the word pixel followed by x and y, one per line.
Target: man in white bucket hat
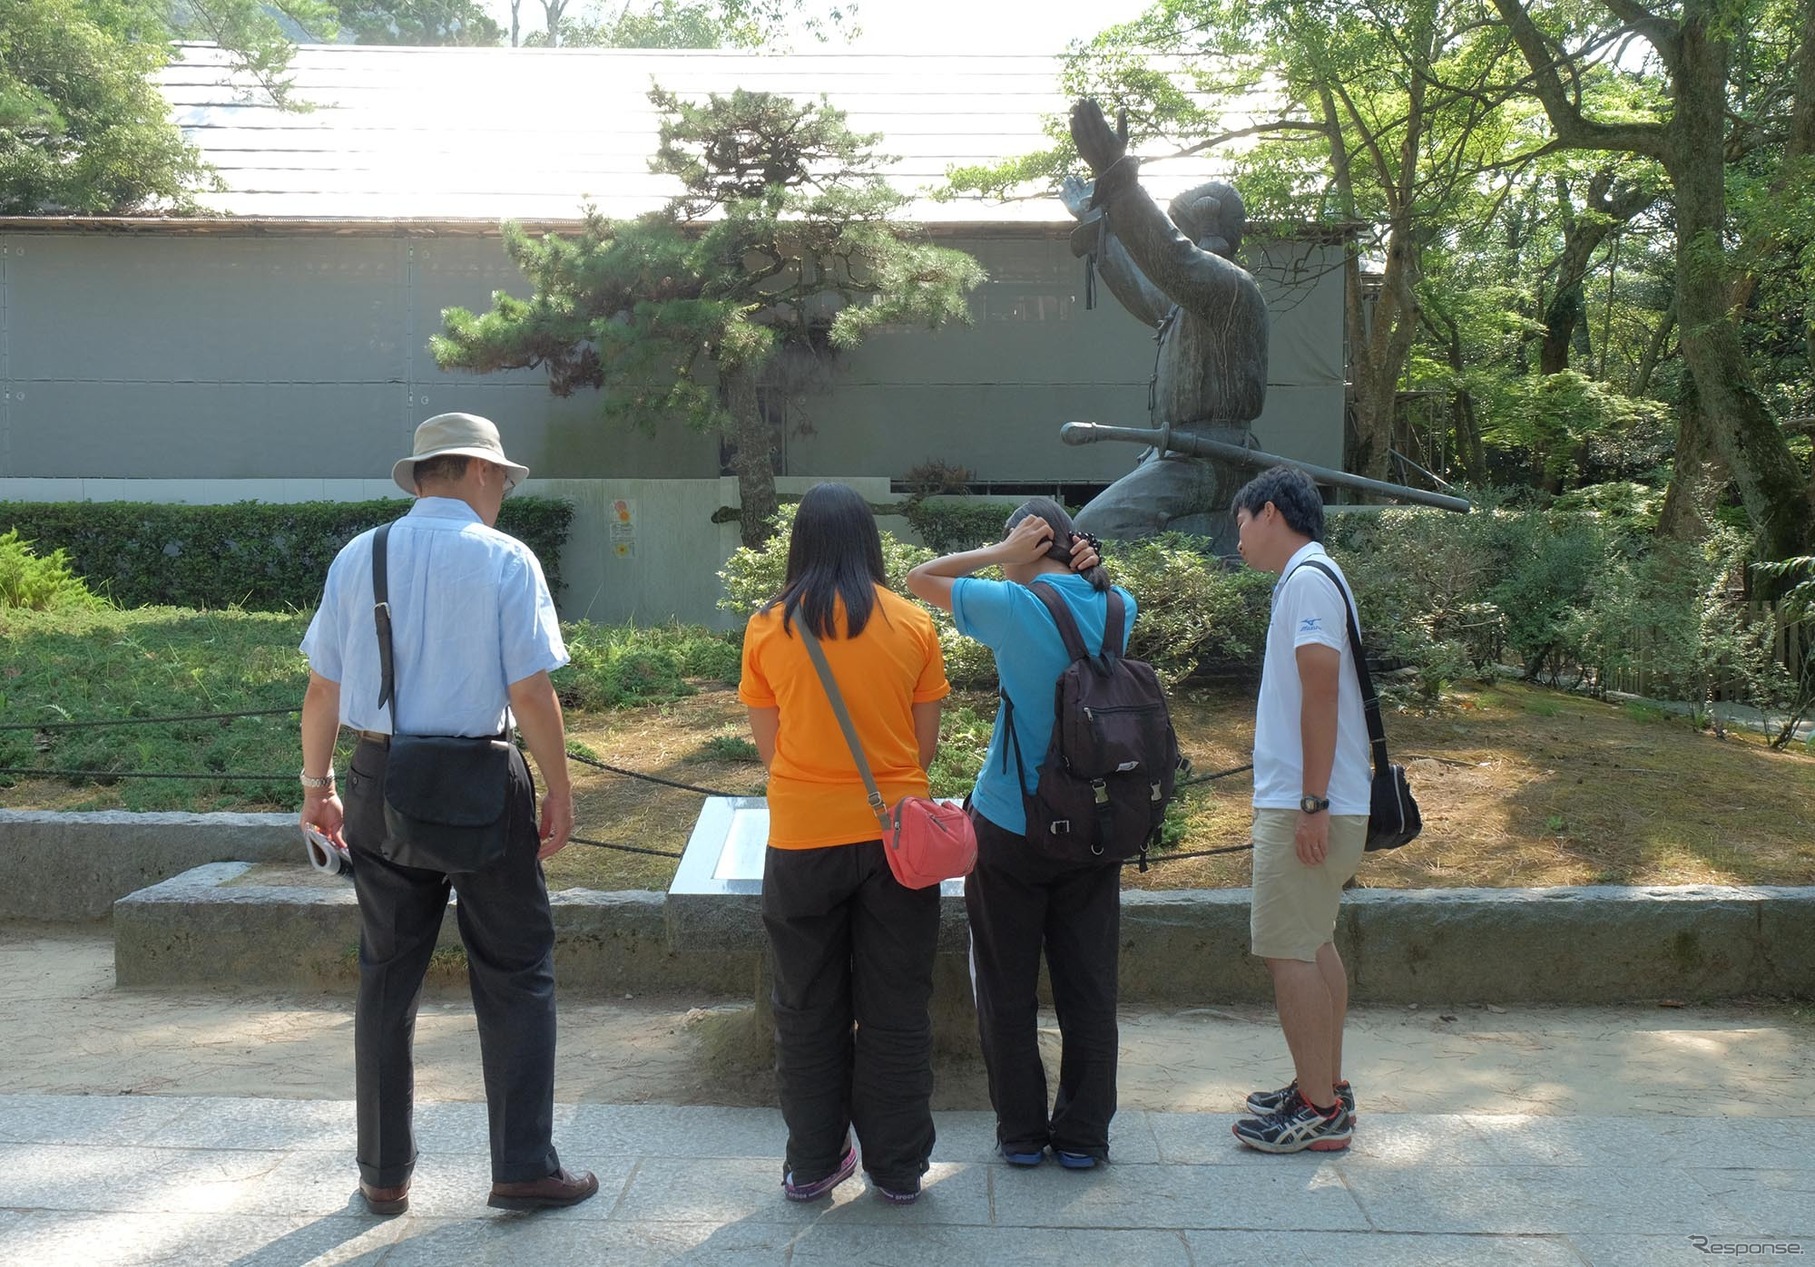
pixel 475 637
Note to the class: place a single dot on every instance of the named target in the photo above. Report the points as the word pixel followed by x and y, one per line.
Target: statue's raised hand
pixel 1098 144
pixel 1075 192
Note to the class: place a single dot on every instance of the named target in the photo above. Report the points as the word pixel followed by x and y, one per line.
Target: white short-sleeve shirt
pixel 1308 609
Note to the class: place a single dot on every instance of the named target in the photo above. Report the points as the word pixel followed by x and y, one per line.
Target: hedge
pixel 257 555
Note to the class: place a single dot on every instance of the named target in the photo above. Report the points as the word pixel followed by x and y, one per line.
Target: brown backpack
pixel 1110 767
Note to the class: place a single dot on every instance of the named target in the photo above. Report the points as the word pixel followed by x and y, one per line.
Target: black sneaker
pixel 1297 1127
pixel 1265 1102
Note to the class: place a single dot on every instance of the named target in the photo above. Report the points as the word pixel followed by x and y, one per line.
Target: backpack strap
pixel 1114 620
pixel 1370 701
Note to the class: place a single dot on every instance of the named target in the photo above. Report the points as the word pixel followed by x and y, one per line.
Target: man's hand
pixel 1312 837
pixel 1075 192
pixel 322 810
pixel 557 823
pixel 1098 145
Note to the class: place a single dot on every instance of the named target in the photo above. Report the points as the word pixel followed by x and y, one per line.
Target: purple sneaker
pixel 847 1166
pixel 899 1196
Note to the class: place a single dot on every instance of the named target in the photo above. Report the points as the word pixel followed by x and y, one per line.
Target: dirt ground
pixel 1520 786
pixel 70 1031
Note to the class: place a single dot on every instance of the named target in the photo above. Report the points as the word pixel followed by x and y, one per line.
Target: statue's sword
pixel 1166 440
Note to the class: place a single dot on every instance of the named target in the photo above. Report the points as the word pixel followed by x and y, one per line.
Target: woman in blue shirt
pixel 1021 900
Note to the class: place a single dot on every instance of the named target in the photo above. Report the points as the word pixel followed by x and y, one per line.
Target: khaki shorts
pixel 1294 909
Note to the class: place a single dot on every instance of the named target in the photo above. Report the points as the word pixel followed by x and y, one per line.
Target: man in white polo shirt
pixel 1310 808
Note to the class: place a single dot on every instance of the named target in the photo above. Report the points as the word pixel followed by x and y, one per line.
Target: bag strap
pixel 1114 620
pixel 1370 702
pixel 381 617
pixel 818 655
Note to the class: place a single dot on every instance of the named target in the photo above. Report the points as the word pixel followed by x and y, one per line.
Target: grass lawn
pixel 1519 785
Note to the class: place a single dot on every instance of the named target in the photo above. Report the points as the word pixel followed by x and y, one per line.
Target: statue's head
pixel 1212 216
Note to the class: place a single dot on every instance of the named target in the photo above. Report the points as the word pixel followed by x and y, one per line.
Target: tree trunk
pixel 1681 517
pixel 1561 317
pixel 1389 344
pixel 1741 430
pixel 752 461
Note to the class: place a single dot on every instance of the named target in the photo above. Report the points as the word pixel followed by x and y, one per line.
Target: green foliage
pixel 423 22
pixel 964 731
pixel 615 666
pixel 701 24
pixel 1558 418
pixel 254 555
pixel 85 131
pixel 39 583
pixel 92 663
pixel 728 748
pixel 949 527
pixel 1193 611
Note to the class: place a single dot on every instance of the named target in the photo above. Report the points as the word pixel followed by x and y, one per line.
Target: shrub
pixel 39 582
pixel 951 526
pixel 614 666
pixel 255 555
pixel 1193 610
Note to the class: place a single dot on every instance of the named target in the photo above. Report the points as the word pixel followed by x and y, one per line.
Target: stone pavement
pixel 270 1183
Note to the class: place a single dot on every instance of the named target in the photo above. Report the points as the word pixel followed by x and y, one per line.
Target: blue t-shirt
pixel 1012 622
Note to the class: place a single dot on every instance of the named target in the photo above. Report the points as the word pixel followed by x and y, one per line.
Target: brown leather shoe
pixel 564 1187
pixel 385 1200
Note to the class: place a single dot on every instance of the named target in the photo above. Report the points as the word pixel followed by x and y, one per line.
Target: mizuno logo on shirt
pixel 1310 624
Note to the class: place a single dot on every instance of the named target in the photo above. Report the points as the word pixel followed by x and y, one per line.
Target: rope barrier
pixel 1152 858
pixel 108 775
pixel 650 778
pixel 606 844
pixel 1220 774
pixel 99 775
pixel 146 721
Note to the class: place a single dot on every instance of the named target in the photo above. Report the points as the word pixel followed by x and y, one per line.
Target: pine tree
pixel 782 237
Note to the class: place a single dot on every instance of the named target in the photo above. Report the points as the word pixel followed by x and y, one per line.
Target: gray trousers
pixel 509 934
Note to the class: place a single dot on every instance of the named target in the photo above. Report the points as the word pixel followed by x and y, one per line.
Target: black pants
pixel 509 934
pixel 853 959
pixel 1020 902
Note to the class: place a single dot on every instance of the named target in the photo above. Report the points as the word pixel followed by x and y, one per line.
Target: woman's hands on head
pixel 1027 542
pixel 1086 552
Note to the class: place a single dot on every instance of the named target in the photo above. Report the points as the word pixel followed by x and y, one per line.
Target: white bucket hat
pixel 468 435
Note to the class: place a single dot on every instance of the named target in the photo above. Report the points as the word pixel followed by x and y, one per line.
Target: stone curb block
pixel 72 867
pixel 1599 944
pixel 202 929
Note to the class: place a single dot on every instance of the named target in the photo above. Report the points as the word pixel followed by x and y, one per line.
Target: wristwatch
pixel 1313 804
pixel 326 781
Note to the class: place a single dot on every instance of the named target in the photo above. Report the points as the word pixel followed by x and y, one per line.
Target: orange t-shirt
pixel 816 796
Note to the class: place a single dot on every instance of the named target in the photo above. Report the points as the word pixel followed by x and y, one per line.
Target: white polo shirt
pixel 1308 609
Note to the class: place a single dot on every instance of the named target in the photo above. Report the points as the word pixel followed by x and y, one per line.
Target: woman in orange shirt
pixel 852 949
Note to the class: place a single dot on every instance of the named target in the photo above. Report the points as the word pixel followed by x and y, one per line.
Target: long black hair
pixel 834 553
pixel 1062 535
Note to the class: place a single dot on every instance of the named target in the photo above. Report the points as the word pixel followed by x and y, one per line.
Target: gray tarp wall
pixel 290 358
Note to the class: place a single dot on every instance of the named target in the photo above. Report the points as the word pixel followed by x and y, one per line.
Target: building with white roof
pixel 278 347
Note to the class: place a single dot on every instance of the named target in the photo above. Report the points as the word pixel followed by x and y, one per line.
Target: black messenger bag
pixel 446 797
pixel 1393 816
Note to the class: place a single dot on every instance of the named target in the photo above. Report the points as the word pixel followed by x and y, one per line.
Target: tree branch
pixel 1565 113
